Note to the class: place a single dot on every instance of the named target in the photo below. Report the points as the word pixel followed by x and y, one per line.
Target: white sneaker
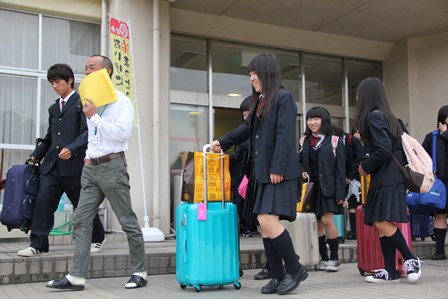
pixel 413 269
pixel 332 266
pixel 322 266
pixel 382 276
pixel 30 251
pixel 96 247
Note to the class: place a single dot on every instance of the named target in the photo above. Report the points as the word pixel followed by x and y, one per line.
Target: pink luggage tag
pixel 202 211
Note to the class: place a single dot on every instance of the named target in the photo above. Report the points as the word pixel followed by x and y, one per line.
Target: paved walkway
pixel 347 283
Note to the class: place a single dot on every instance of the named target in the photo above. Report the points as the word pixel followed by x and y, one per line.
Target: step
pixel 113 259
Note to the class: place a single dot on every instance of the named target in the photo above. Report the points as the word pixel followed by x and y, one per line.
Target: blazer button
pixel 57 146
pixel 256 136
pixel 59 133
pixel 256 152
pixel 60 119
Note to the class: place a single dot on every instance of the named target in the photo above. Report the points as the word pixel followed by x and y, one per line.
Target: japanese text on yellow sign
pixel 121 57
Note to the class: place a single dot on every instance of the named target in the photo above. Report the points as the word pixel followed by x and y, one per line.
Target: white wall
pixel 396 80
pixel 139 12
pixel 432 75
pixel 89 10
pixel 416 80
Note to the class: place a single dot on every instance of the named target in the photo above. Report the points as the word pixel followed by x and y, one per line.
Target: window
pixel 25 94
pixel 358 70
pixel 323 79
pixel 230 63
pixel 188 64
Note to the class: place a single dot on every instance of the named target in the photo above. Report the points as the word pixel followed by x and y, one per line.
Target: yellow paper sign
pixel 98 87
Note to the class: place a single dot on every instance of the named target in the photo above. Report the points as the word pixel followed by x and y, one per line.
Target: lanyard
pixel 101 114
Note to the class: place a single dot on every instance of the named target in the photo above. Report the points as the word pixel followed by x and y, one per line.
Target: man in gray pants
pixel 105 175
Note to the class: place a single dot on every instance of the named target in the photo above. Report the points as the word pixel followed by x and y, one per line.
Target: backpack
pixel 418 173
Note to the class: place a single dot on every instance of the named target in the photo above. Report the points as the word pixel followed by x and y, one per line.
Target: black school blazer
pixel 275 152
pixel 331 167
pixel 66 129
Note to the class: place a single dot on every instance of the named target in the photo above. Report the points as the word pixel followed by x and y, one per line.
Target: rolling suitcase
pixel 422 226
pixel 207 243
pixel 19 198
pixel 303 232
pixel 370 256
pixel 21 187
pixel 339 221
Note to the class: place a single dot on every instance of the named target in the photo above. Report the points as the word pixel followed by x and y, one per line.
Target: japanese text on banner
pixel 121 57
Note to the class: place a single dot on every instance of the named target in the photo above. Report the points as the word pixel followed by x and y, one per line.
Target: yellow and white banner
pixel 121 56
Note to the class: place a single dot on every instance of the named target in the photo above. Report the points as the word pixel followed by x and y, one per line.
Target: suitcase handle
pixel 204 155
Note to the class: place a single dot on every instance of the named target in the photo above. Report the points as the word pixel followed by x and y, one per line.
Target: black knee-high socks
pixel 334 248
pixel 352 219
pixel 323 248
pixel 388 256
pixel 274 259
pixel 398 242
pixel 283 248
pixel 440 235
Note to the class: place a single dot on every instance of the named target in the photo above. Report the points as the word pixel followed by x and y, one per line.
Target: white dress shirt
pixel 113 128
pixel 65 99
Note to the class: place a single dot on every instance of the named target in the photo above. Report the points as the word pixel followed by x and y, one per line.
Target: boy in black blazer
pixel 62 153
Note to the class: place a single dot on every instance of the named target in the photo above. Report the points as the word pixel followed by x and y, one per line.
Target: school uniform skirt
pixel 321 204
pixel 279 199
pixel 386 204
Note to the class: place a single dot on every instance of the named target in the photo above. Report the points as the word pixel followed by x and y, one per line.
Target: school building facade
pixel 190 63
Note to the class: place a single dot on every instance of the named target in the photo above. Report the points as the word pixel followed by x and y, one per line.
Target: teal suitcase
pixel 207 248
pixel 339 221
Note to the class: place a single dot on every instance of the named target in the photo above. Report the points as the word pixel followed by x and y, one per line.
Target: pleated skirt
pixel 386 204
pixel 279 199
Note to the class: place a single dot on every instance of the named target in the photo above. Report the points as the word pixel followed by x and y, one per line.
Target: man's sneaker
pixel 332 266
pixel 413 269
pixel 30 251
pixel 96 247
pixel 382 276
pixel 322 266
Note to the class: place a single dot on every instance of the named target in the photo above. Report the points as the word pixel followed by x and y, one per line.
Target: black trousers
pixel 51 188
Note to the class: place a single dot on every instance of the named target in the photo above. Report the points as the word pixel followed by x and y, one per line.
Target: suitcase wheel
pixel 237 285
pixel 361 271
pixel 241 273
pixel 198 288
pixel 182 286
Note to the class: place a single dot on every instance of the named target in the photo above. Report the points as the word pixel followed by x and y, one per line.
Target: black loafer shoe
pixel 271 287
pixel 139 282
pixel 290 283
pixel 64 284
pixel 263 274
pixel 438 257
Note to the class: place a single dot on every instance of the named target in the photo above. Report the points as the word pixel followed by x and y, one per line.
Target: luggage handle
pixel 204 155
pixel 36 163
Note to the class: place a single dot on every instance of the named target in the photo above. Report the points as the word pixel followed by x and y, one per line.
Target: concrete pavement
pixel 347 283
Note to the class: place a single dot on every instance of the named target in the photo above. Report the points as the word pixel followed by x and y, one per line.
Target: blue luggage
pixel 207 251
pixel 19 198
pixel 339 221
pixel 422 226
pixel 21 187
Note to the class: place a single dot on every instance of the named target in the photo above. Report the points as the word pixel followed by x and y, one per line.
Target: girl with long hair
pixel 386 200
pixel 273 169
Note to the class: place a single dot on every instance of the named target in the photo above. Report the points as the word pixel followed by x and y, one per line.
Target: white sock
pixel 132 284
pixel 74 280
